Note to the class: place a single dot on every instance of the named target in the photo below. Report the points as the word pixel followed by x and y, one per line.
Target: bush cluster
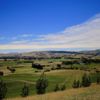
pixel 86 81
pixel 3 90
pixel 59 87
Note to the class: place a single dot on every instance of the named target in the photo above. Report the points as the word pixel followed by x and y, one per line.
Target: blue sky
pixel 49 25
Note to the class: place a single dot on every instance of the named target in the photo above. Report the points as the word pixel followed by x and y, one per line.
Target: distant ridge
pixel 50 53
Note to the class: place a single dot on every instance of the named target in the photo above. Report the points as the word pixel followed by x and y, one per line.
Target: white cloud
pixel 21 37
pixel 19 42
pixel 85 35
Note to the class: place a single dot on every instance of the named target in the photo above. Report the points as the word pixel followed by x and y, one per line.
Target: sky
pixel 35 25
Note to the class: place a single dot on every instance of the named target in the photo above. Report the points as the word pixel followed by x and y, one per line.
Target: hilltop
pixel 48 54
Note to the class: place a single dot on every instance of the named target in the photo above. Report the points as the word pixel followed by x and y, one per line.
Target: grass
pixel 26 74
pixel 89 93
pixel 15 82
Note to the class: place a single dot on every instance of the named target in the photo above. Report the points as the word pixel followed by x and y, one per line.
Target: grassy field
pixel 89 93
pixel 16 81
pixel 26 74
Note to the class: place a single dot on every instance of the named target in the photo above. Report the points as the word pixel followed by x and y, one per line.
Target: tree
pixel 1 73
pixel 76 84
pixel 63 87
pixel 11 69
pixel 25 90
pixel 58 66
pixel 98 78
pixel 86 81
pixel 3 90
pixel 56 87
pixel 37 66
pixel 41 84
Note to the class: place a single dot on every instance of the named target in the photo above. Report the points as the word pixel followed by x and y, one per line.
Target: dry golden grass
pixel 89 93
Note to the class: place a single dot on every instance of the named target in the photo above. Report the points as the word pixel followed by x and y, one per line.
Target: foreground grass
pixel 15 82
pixel 26 74
pixel 89 93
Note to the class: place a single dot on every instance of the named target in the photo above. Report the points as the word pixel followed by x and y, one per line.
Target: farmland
pixel 56 72
pixel 90 93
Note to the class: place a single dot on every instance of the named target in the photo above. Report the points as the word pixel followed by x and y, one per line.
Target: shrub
pixel 98 78
pixel 57 88
pixel 25 90
pixel 47 70
pixel 3 90
pixel 52 68
pixel 67 62
pixel 11 69
pixel 76 84
pixel 36 71
pixel 38 66
pixel 1 73
pixel 41 84
pixel 58 66
pixel 63 87
pixel 86 81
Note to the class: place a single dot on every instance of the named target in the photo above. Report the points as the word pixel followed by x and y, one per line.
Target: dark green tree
pixel 41 84
pixel 25 90
pixel 3 90
pixel 86 81
pixel 85 60
pixel 76 84
pixel 98 78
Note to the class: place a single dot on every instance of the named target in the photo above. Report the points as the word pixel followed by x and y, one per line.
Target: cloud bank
pixel 85 35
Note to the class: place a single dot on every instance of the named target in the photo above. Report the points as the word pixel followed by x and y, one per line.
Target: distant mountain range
pixel 93 52
pixel 51 53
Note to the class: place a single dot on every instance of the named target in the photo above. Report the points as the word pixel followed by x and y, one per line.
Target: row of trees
pixel 42 84
pixel 60 87
pixel 86 81
pixel 81 60
pixel 37 66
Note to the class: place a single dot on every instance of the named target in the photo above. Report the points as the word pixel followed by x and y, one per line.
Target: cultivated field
pixel 65 74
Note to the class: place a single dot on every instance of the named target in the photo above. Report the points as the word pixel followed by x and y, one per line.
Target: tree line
pixel 42 84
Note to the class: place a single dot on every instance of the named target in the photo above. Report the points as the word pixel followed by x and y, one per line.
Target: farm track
pixel 23 81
